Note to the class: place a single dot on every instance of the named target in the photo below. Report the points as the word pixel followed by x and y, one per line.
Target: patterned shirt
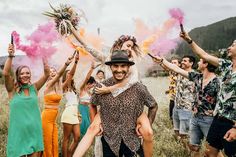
pixel 205 100
pixel 119 114
pixel 227 95
pixel 172 86
pixel 185 93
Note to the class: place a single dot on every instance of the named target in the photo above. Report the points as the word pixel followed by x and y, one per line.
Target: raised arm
pixel 95 53
pixel 39 84
pixel 9 80
pixel 72 71
pixel 171 66
pixel 199 51
pixel 59 74
pixel 87 76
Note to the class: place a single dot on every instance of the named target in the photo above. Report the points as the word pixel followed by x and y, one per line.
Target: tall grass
pixel 165 145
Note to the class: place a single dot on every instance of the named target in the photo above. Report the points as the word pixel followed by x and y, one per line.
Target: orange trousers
pixel 50 132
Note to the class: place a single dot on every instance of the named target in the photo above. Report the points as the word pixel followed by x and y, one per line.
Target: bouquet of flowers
pixel 65 18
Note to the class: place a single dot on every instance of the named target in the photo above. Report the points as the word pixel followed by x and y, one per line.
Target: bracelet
pixel 190 41
pixel 11 56
pixel 66 64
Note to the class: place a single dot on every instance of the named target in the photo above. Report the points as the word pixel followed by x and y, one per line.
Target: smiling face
pixel 185 63
pixel 128 46
pixel 232 50
pixel 53 72
pixel 24 75
pixel 119 71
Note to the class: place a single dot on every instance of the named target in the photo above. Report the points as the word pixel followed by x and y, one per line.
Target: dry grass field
pixel 165 143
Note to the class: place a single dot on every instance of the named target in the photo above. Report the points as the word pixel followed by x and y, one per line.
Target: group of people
pixel 37 134
pixel 202 104
pixel 113 112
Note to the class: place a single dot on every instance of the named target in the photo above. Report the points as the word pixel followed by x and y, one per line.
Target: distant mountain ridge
pixel 211 37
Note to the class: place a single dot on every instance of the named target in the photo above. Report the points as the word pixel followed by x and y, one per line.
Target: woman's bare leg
pixel 147 134
pixel 76 136
pixel 88 138
pixel 67 130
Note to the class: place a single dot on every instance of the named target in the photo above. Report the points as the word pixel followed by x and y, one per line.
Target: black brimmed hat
pixel 119 56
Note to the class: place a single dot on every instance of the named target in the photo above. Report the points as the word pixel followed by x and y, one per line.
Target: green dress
pixel 25 126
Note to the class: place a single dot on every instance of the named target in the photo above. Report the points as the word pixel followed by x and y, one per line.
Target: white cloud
pixel 112 16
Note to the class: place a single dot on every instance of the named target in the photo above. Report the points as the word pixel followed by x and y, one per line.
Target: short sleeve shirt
pixel 119 114
pixel 227 95
pixel 185 93
pixel 205 100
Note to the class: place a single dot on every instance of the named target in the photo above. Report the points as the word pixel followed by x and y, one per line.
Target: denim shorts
pixel 199 127
pixel 181 120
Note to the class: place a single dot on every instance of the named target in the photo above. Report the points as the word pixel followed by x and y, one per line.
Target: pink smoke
pixel 157 40
pixel 164 46
pixel 41 41
pixel 177 14
pixel 141 30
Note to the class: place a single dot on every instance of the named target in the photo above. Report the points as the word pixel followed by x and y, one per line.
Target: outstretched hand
pixel 157 59
pixel 185 36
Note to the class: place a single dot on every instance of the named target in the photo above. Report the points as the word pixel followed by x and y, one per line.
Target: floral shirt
pixel 185 93
pixel 119 114
pixel 226 106
pixel 205 100
pixel 172 87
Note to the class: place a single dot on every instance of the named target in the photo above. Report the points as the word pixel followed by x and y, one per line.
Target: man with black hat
pixel 119 114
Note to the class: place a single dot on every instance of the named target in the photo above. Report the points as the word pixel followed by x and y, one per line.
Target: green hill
pixel 212 37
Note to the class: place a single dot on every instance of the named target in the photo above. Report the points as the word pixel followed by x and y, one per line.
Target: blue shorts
pixel 181 120
pixel 199 127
